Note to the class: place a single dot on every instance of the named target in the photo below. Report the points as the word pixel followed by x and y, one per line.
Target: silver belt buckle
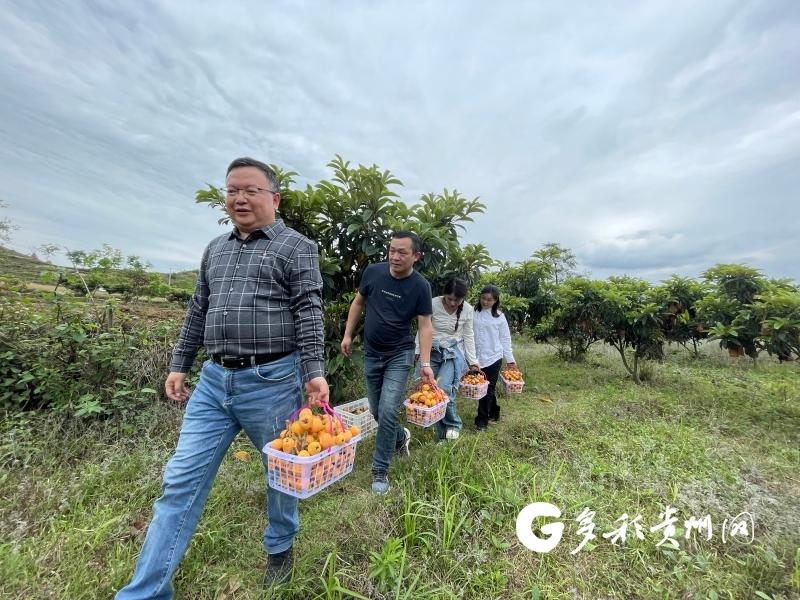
pixel 233 361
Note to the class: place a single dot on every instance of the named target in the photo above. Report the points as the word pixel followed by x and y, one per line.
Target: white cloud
pixel 649 138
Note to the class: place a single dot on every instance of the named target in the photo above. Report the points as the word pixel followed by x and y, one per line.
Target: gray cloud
pixel 650 139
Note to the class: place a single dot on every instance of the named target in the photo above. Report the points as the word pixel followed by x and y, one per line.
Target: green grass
pixel 186 280
pixel 706 436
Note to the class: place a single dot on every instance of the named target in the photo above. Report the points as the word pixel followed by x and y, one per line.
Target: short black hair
pixel 246 161
pixel 416 243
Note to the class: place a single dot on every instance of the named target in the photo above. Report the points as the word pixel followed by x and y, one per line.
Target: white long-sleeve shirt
pixel 492 338
pixel 444 328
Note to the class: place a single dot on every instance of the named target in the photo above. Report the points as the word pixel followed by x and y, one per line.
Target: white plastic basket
pixel 474 391
pixel 357 413
pixel 425 416
pixel 304 476
pixel 512 387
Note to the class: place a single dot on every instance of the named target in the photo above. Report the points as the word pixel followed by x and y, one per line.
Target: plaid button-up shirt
pixel 256 296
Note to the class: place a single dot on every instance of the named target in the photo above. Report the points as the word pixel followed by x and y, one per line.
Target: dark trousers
pixel 487 406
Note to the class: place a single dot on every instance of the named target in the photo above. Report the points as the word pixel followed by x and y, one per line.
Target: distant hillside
pixel 28 268
pixel 21 266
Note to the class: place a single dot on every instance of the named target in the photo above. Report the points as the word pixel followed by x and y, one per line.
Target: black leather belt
pixel 240 362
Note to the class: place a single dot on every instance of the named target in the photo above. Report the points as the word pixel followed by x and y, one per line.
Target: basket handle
pixel 478 371
pixel 326 408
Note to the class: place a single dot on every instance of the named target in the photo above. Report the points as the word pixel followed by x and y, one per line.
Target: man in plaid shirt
pixel 258 311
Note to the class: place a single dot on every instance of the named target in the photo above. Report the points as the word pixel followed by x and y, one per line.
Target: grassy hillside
pixel 29 269
pixel 712 436
pixel 20 266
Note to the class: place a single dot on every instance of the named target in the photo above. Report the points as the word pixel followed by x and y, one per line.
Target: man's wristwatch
pixel 423 365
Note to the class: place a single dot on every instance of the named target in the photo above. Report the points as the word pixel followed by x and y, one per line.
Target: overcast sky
pixel 651 138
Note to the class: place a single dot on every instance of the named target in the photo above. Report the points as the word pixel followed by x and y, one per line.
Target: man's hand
pixel 511 365
pixel 474 368
pixel 427 375
pixel 317 390
pixel 347 343
pixel 175 387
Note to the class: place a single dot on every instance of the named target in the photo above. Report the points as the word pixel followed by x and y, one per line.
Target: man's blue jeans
pixel 257 399
pixel 387 375
pixel 444 371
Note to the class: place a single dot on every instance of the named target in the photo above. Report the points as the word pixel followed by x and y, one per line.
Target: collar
pixel 268 231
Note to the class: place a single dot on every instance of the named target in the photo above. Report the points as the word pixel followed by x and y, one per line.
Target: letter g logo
pixel 553 530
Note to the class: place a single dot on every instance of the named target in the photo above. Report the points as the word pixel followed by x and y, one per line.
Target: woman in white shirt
pixel 493 343
pixel 453 348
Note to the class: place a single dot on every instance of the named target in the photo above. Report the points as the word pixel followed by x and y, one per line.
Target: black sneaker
pixel 279 568
pixel 380 483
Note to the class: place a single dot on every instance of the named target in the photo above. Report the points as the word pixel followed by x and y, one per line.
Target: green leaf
pixel 500 544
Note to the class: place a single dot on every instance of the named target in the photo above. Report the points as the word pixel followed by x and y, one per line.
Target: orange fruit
pixel 305 420
pixel 317 425
pixel 288 444
pixel 325 440
pixel 277 444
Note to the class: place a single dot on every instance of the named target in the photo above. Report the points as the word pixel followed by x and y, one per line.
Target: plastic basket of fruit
pixel 512 380
pixel 425 405
pixel 357 413
pixel 313 452
pixel 474 385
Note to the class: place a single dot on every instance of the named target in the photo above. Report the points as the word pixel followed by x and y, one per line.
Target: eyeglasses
pixel 250 192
